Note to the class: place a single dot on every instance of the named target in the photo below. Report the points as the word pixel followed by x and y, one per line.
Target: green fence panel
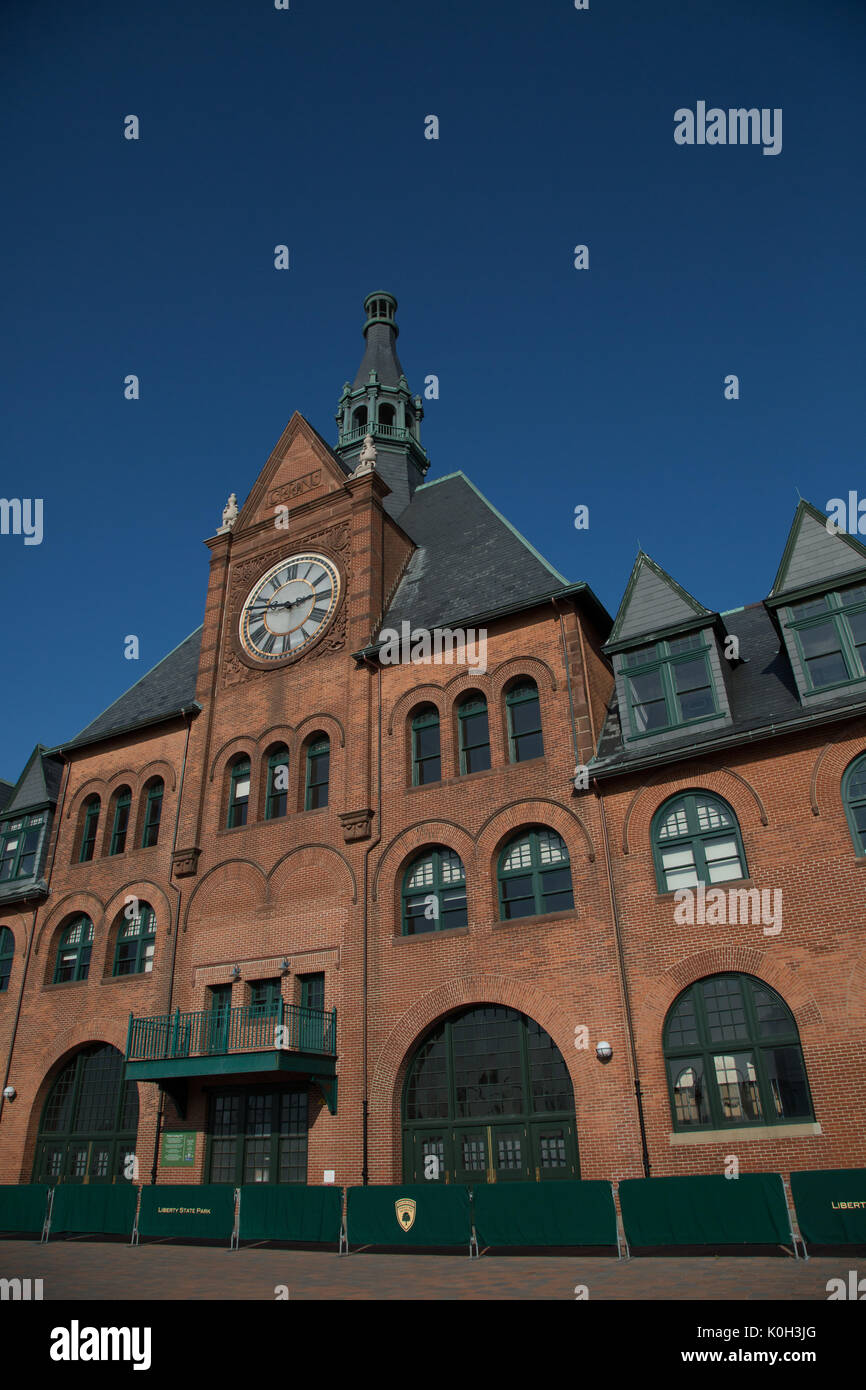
pixel 705 1210
pixel 206 1212
pixel 831 1205
pixel 414 1214
pixel 22 1206
pixel 275 1211
pixel 104 1208
pixel 544 1213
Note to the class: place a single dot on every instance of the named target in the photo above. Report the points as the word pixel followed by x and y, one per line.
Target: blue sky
pixel 558 387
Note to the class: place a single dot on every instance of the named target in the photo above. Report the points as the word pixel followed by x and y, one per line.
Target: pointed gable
pixel 300 469
pixel 33 787
pixel 653 601
pixel 814 554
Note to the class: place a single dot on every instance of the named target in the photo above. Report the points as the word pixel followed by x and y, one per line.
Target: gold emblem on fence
pixel 405 1208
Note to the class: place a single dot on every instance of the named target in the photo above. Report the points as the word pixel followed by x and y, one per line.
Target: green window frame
pixel 525 737
pixel 669 685
pixel 313 991
pixel 87 1130
pixel 426 746
pixel 277 793
pixel 733 1056
pixel 854 801
pixel 19 847
pixel 7 955
pixel 239 793
pixel 91 825
pixel 474 734
pixel 264 998
pixel 830 635
pixel 136 942
pixel 120 826
pixel 534 875
pixel 257 1135
pixel 434 892
pixel 152 814
pixel 73 952
pixel 318 774
pixel 696 839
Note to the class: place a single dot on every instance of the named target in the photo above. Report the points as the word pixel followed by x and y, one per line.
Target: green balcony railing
pixel 377 430
pixel 215 1032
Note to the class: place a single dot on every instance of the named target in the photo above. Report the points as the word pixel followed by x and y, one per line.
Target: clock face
pixel 289 607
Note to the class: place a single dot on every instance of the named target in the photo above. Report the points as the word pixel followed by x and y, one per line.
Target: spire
pixel 380 404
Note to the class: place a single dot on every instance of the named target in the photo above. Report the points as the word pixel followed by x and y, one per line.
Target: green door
pixel 554 1151
pixel 218 1022
pixel 431 1158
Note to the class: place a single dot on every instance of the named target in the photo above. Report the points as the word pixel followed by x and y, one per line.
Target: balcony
pixel 377 430
pixel 171 1048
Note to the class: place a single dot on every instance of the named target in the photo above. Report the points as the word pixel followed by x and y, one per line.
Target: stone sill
pixel 275 820
pixel 746 1132
pixel 462 777
pixel 426 935
pixel 728 883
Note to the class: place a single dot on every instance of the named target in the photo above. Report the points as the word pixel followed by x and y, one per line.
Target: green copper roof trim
pixel 504 519
pixel 643 560
pixel 804 509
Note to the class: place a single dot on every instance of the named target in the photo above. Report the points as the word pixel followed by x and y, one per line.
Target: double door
pixel 493 1151
pixel 84 1160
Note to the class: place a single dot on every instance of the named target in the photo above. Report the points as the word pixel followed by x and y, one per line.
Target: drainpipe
pixel 623 982
pixel 58 815
pixel 365 1111
pixel 187 712
pixel 565 661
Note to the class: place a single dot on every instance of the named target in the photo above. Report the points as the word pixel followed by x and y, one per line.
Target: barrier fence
pixel 706 1209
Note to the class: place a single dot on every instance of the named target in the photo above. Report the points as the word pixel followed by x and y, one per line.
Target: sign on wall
pixel 178 1148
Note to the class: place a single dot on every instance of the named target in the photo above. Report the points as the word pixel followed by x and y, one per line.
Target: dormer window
pixel 830 632
pixel 669 684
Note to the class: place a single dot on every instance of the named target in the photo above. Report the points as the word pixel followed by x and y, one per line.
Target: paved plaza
pixel 83 1269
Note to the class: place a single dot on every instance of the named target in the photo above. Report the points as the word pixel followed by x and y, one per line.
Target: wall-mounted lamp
pixel 236 972
pixel 284 966
pixel 604 1052
pixel 9 1093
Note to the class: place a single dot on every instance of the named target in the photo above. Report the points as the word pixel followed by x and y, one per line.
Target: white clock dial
pixel 289 607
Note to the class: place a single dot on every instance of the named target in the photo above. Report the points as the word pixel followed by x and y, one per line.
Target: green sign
pixel 178 1148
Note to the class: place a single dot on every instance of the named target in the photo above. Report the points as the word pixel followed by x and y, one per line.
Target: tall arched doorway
pixel 488 1098
pixel 89 1121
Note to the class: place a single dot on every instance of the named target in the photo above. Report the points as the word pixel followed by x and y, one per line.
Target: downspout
pixel 58 815
pixel 623 982
pixel 565 661
pixel 187 713
pixel 365 1111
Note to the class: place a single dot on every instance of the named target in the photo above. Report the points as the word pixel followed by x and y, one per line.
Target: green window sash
pixel 152 816
pixel 239 794
pixel 318 774
pixel 524 722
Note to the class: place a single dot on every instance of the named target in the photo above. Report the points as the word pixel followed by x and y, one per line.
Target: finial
pixel 367 460
pixel 230 514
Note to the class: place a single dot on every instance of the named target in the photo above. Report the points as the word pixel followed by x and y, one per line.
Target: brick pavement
pixel 83 1270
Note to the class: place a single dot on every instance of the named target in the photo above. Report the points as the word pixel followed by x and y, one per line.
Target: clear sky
pixel 558 387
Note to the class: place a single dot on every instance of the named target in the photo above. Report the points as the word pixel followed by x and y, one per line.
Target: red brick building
pixel 300 908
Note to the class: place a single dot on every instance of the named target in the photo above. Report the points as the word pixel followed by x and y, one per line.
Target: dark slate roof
pixel 380 356
pixel 762 691
pixel 6 790
pixel 470 561
pixel 39 783
pixel 162 692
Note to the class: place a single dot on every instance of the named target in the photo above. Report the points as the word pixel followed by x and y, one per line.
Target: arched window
pixel 696 839
pixel 92 807
pixel 136 940
pixel 73 953
pixel 239 791
pixel 386 414
pixel 488 1098
pixel 122 801
pixel 426 749
pixel 277 786
pixel 854 798
pixel 318 773
pixel 434 893
pixel 733 1056
pixel 7 954
pixel 152 812
pixel 89 1121
pixel 359 417
pixel 474 727
pixel 534 875
pixel 524 722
